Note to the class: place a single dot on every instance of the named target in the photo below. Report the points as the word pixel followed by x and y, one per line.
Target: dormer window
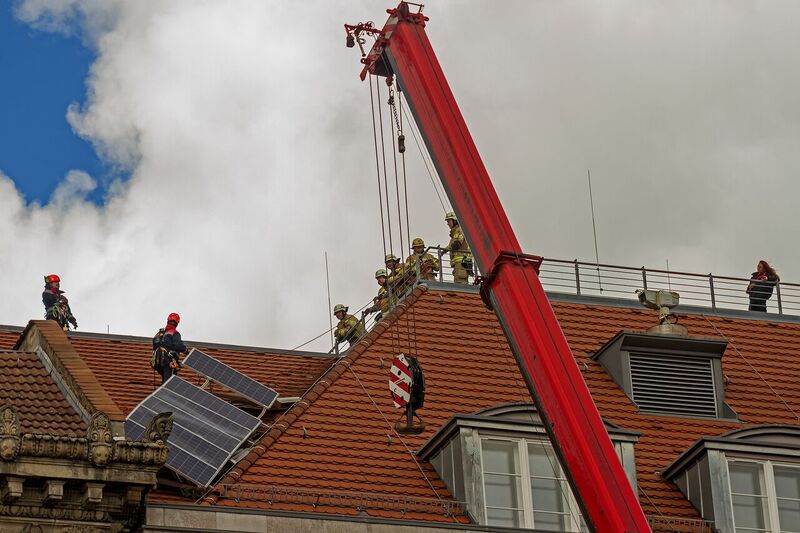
pixel 524 485
pixel 745 481
pixel 672 375
pixel 501 464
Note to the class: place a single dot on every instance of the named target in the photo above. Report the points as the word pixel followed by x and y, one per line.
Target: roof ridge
pixel 313 394
pixel 79 377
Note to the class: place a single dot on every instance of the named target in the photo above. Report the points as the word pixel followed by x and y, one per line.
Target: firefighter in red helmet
pixel 167 347
pixel 56 305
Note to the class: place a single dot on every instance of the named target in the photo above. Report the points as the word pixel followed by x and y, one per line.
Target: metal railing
pixel 591 279
pixel 705 290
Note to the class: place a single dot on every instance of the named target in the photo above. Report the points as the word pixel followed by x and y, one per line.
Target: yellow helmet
pixel 417 242
pixel 451 216
pixel 339 307
pixel 390 257
pixel 381 272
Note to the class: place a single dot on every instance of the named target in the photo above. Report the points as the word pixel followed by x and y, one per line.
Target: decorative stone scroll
pixel 159 428
pixel 101 442
pixel 9 434
pixel 98 447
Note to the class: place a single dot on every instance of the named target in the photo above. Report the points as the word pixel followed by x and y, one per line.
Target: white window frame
pixel 769 488
pixel 525 481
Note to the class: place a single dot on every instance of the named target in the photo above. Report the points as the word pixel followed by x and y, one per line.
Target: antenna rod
pixel 328 282
pixel 594 231
pixel 669 281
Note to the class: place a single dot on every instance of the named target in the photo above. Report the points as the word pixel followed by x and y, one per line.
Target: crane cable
pixel 377 162
pixel 397 132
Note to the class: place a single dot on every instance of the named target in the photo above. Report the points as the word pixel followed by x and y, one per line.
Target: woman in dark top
pixel 762 281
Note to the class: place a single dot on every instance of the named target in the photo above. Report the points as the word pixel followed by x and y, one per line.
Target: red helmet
pixel 52 278
pixel 174 317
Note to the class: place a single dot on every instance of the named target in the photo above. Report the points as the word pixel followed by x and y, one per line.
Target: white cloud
pixel 248 137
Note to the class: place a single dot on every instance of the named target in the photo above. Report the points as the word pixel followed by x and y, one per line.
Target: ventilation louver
pixel 673 384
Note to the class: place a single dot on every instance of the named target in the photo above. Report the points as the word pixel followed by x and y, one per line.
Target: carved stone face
pixel 101 454
pixel 8 448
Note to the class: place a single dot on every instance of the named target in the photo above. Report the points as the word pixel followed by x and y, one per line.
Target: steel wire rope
pixel 756 372
pixel 427 167
pixel 410 337
pixel 385 173
pixel 392 428
pixel 334 362
pixel 525 392
pixel 396 129
pixel 403 160
pixel 506 228
pixel 652 504
pixel 377 163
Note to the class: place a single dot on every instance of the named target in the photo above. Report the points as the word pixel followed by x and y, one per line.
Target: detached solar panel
pixel 205 433
pixel 224 375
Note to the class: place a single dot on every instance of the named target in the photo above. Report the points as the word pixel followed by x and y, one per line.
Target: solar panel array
pixel 227 376
pixel 206 430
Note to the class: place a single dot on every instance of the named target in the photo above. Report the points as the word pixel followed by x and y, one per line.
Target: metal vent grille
pixel 673 384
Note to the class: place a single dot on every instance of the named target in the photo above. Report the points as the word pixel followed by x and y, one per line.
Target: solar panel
pixel 206 430
pixel 234 380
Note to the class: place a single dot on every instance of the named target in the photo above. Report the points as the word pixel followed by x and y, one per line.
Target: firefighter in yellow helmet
pixel 421 261
pixel 385 300
pixel 460 255
pixel 398 275
pixel 349 328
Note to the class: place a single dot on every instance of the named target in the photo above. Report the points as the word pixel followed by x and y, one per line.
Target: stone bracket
pixel 13 488
pixel 53 491
pixel 93 493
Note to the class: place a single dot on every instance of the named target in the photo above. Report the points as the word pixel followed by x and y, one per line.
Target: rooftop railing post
pixel 644 278
pixel 778 293
pixel 441 267
pixel 711 288
pixel 577 278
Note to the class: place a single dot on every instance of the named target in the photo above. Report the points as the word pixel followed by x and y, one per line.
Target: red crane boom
pixel 511 285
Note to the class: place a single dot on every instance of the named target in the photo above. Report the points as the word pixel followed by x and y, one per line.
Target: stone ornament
pixel 9 434
pixel 159 428
pixel 101 442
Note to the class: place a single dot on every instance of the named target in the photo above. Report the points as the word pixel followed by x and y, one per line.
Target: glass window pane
pixel 500 456
pixel 789 515
pixel 502 491
pixel 550 522
pixel 547 495
pixel 787 482
pixel 543 460
pixel 503 517
pixel 748 512
pixel 745 478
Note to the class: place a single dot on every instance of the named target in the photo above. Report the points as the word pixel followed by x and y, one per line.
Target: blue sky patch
pixel 41 74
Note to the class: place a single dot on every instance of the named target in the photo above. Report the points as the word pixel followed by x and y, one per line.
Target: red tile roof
pixel 339 438
pixel 339 441
pixel 123 367
pixel 39 403
pixel 8 337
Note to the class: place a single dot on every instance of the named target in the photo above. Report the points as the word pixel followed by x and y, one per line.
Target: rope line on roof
pixel 400 438
pixel 756 372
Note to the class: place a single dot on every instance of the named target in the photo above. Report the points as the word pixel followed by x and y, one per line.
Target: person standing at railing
pixel 762 282
pixel 349 328
pixel 422 262
pixel 460 255
pixel 384 301
pixel 399 279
